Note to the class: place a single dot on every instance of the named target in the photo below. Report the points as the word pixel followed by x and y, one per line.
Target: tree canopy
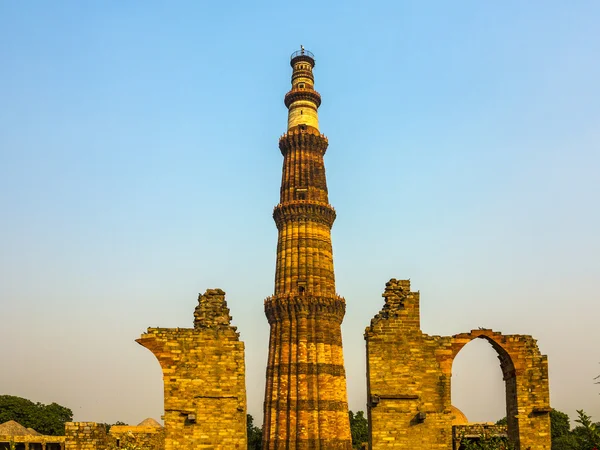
pixel 46 419
pixel 254 434
pixel 359 428
pixel 585 436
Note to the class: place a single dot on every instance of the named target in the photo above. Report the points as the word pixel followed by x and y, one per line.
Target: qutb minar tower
pixel 306 403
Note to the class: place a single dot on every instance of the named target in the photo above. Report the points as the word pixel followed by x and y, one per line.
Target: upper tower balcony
pixel 302 55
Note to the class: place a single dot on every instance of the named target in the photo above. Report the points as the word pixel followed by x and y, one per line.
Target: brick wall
pixel 139 437
pixel 409 375
pixel 85 436
pixel 204 378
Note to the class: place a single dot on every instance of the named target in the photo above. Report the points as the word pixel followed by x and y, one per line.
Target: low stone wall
pixel 144 437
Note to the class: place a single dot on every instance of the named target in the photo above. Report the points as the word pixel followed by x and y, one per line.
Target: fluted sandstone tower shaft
pixel 306 404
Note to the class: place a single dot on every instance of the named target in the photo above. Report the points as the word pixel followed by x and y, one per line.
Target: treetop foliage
pixel 254 434
pixel 359 428
pixel 45 419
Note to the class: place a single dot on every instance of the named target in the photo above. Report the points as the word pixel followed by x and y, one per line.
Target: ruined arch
pixel 477 384
pixel 409 379
pixel 499 343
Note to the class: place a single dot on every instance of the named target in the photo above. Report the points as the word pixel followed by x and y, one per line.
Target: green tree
pixel 254 434
pixel 560 431
pixel 559 424
pixel 587 433
pixel 359 428
pixel 108 426
pixel 46 419
pixel 566 442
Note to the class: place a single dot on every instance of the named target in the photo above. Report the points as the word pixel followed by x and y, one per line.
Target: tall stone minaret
pixel 306 403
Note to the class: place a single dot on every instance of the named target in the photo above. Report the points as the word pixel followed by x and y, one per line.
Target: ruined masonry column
pixel 306 404
pixel 204 378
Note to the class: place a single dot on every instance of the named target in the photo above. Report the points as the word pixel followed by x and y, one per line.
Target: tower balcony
pixel 302 94
pixel 303 136
pixel 302 55
pixel 304 210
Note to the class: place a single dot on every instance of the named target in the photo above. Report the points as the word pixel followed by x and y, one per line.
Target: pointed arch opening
pixel 483 386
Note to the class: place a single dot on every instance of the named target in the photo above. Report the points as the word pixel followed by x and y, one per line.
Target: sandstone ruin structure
pixel 148 435
pixel 409 374
pixel 306 404
pixel 204 378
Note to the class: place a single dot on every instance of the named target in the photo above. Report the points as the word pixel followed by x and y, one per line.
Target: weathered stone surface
pixel 409 374
pixel 203 373
pixel 93 436
pixel 85 436
pixel 139 436
pixel 306 404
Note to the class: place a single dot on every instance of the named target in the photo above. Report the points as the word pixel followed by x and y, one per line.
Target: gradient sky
pixel 139 166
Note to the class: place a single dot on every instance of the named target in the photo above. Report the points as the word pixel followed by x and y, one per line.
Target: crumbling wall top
pixel 212 310
pixel 401 305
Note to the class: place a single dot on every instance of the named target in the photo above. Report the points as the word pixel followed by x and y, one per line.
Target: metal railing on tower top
pixel 302 52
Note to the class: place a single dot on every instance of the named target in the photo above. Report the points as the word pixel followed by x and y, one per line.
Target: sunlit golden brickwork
pixel 204 378
pixel 409 375
pixel 306 404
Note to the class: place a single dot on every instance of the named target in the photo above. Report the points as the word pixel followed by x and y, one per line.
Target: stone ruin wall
pixel 204 378
pixel 86 436
pixel 93 436
pixel 139 437
pixel 475 431
pixel 409 374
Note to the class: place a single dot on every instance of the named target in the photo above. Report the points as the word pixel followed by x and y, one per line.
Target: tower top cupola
pixel 302 55
pixel 302 100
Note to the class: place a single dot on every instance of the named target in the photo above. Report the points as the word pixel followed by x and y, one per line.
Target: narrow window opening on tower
pixel 301 112
pixel 301 193
pixel 303 127
pixel 301 287
pixel 301 85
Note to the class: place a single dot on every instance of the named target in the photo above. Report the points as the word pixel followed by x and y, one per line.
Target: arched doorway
pixel 482 386
pixel 478 388
pixel 507 367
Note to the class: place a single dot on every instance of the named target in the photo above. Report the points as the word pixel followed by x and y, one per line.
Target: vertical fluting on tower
pixel 306 404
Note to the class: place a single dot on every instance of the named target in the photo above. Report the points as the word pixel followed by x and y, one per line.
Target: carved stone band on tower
pixel 306 404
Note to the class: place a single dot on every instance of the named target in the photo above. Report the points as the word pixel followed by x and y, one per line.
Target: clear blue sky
pixel 139 166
